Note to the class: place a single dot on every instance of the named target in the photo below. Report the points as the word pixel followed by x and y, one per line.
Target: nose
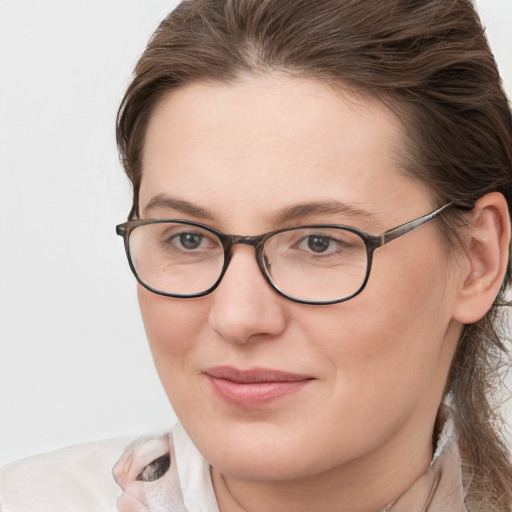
pixel 244 306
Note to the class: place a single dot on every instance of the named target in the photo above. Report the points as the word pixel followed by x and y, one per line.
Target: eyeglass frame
pixel 371 241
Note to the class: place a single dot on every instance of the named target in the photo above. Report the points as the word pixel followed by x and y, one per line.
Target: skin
pixel 360 432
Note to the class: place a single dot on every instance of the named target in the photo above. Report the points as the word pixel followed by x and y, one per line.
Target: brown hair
pixel 430 61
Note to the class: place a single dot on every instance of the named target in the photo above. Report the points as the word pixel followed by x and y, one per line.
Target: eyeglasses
pixel 316 264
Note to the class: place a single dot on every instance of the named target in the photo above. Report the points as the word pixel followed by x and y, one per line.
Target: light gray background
pixel 74 365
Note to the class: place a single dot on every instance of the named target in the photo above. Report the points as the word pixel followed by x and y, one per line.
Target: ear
pixel 488 239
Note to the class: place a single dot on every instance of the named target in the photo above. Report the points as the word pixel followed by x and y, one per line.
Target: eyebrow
pixel 283 216
pixel 165 201
pixel 304 210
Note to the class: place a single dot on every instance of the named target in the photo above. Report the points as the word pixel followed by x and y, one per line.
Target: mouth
pixel 256 387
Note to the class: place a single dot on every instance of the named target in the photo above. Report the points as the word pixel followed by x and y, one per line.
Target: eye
pixel 187 240
pixel 319 243
pixel 190 241
pixel 325 243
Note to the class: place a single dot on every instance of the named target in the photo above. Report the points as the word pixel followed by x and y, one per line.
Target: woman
pixel 362 151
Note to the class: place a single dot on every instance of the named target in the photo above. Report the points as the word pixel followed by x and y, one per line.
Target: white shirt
pixel 80 478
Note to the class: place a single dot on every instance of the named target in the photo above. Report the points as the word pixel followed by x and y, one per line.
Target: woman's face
pixel 351 384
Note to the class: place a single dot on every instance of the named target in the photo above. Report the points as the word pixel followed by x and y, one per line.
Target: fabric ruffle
pixel 148 475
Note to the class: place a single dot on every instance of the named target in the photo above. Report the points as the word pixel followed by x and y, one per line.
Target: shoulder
pixel 157 473
pixel 77 478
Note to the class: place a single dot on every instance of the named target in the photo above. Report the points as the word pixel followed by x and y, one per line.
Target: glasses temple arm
pixel 401 230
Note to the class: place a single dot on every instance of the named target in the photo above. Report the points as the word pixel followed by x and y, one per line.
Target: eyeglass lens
pixel 311 264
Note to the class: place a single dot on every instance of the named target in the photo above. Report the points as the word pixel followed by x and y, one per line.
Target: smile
pixel 254 388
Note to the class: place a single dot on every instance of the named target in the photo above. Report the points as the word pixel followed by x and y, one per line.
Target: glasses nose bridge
pixel 253 241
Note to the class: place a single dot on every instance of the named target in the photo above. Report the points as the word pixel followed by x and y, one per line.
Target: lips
pixel 255 387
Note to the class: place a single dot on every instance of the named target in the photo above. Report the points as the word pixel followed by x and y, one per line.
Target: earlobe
pixel 488 239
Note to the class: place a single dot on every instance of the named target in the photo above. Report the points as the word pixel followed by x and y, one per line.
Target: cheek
pixel 172 326
pixel 391 337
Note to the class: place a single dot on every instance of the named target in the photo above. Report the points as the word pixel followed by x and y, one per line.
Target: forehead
pixel 263 143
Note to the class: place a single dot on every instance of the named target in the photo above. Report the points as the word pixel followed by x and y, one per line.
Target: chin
pixel 263 467
pixel 261 452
